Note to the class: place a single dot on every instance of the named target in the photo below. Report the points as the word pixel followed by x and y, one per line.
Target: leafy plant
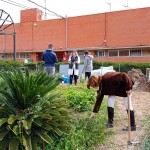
pixel 79 98
pixel 31 113
pixel 146 143
pixel 85 135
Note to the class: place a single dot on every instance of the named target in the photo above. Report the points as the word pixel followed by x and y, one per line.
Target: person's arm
pixel 97 105
pixel 42 57
pixel 85 64
pixel 78 59
pixel 69 60
pixel 55 58
pixel 98 102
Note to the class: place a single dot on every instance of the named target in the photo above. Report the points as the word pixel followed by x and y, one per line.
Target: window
pixel 113 53
pixel 95 53
pixel 9 56
pixel 135 52
pixel 99 53
pixel 146 52
pixel 23 55
pixel 123 52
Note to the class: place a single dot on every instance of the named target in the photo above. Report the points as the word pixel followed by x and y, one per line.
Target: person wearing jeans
pixel 49 57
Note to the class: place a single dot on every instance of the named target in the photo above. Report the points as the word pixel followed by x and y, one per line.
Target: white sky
pixel 72 7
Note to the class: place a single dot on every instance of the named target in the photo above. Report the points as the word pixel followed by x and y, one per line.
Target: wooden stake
pixel 129 126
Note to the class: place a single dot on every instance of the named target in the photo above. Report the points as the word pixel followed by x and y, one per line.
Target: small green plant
pixel 146 143
pixel 86 134
pixel 79 98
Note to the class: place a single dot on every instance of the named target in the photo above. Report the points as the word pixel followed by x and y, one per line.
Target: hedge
pixel 118 66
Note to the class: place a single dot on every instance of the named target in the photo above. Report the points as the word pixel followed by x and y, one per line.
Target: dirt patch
pixel 141 104
pixel 140 80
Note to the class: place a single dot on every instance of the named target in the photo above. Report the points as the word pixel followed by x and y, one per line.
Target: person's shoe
pixel 133 128
pixel 109 125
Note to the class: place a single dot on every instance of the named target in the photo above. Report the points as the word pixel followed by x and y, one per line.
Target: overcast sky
pixel 71 7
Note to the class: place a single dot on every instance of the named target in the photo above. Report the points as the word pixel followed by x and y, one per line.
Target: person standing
pixel 113 84
pixel 88 64
pixel 73 71
pixel 49 57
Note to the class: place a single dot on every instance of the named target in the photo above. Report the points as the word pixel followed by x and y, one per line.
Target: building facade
pixel 120 36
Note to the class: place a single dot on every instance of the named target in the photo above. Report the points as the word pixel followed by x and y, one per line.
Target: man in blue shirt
pixel 49 57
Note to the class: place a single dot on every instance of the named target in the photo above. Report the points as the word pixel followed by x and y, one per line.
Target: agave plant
pixel 31 112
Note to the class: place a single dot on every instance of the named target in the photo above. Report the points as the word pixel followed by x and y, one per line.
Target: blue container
pixel 66 79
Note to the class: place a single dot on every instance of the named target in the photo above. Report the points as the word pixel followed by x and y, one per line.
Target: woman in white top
pixel 73 71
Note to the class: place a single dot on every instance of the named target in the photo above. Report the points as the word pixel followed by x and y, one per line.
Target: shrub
pixel 31 66
pixel 31 112
pixel 6 64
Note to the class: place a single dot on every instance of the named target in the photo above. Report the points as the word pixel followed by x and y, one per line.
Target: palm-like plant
pixel 30 111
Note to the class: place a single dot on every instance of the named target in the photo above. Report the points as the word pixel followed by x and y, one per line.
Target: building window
pixel 23 55
pixel 9 56
pixel 123 52
pixel 146 52
pixel 113 53
pixel 135 52
pixel 99 53
pixel 95 53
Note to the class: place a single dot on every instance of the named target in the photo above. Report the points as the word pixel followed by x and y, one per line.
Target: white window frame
pixel 98 53
pixel 113 51
pixel 135 51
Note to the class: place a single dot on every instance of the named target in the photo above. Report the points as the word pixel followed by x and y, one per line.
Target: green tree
pixel 31 113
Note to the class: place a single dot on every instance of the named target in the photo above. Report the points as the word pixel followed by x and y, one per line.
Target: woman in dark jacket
pixel 113 84
pixel 73 71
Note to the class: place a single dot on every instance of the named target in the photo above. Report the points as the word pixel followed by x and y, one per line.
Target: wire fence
pixel 140 141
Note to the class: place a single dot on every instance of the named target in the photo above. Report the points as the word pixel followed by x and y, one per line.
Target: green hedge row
pixel 118 66
pixel 122 66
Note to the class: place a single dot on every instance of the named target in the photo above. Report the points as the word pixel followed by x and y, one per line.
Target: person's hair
pixel 94 81
pixel 75 53
pixel 86 52
pixel 50 46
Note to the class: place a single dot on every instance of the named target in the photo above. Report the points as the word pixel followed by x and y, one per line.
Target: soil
pixel 141 105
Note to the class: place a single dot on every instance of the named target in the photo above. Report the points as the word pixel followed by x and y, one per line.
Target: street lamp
pixel 109 5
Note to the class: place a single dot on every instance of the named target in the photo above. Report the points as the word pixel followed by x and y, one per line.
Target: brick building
pixel 120 36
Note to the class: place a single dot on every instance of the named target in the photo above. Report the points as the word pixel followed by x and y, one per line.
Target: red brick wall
pixel 30 15
pixel 86 31
pixel 128 28
pixel 24 36
pixel 49 31
pixel 123 29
